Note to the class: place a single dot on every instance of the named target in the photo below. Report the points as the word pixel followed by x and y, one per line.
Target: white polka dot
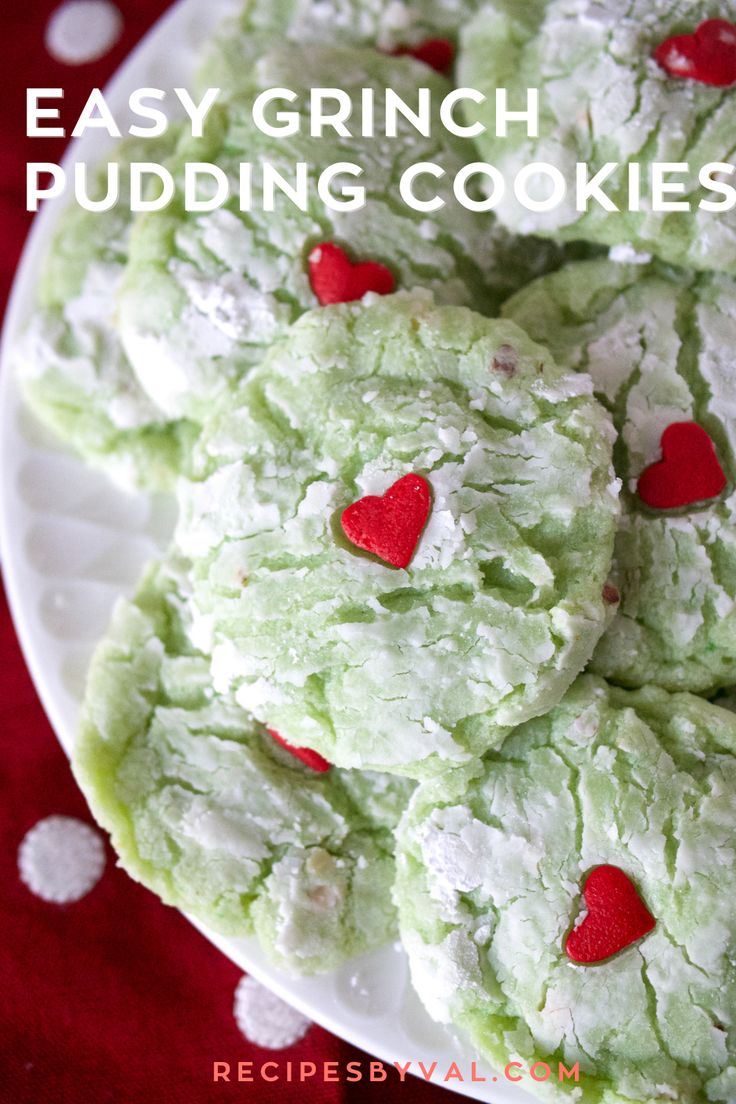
pixel 83 30
pixel 61 859
pixel 265 1019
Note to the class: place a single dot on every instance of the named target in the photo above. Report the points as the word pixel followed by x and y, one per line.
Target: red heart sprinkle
pixel 335 279
pixel 616 917
pixel 391 525
pixel 688 472
pixel 437 53
pixel 708 55
pixel 311 759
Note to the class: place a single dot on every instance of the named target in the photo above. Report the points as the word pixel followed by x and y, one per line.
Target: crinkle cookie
pixel 72 367
pixel 570 897
pixel 659 346
pixel 206 293
pixel 604 97
pixel 206 808
pixel 402 531
pixel 429 29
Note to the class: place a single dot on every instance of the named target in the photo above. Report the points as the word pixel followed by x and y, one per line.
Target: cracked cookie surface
pixel 206 293
pixel 72 367
pixel 603 98
pixel 208 811
pixel 490 863
pixel 409 670
pixel 658 344
pixel 384 24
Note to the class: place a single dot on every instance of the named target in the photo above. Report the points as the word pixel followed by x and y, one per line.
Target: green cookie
pixel 604 99
pixel 209 812
pixel 206 293
pixel 490 864
pixel 659 346
pixel 387 25
pixel 407 670
pixel 72 367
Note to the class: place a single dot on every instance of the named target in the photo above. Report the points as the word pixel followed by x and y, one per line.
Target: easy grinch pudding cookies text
pixel 401 533
pixel 644 93
pixel 207 292
pixel 73 370
pixel 218 816
pixel 569 899
pixel 660 348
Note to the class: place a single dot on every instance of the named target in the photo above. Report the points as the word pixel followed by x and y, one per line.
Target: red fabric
pixel 115 997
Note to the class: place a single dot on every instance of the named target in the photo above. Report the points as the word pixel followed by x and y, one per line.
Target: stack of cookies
pixel 453 585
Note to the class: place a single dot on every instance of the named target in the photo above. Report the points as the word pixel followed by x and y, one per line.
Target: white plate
pixel 71 542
